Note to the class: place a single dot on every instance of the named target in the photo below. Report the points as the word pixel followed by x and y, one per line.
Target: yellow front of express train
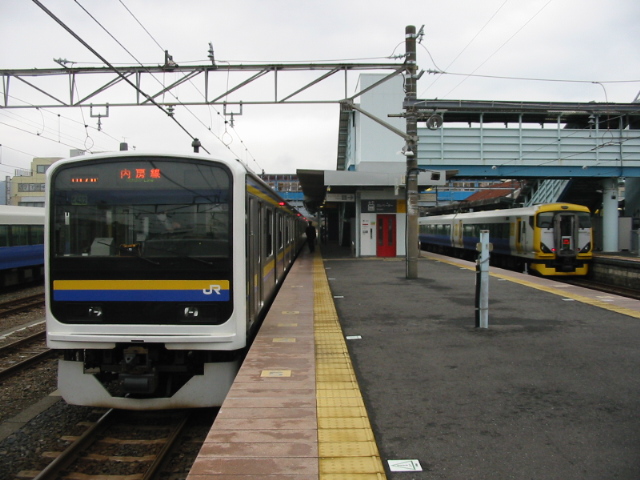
pixel 562 239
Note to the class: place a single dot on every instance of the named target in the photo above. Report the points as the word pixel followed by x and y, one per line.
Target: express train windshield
pixel 146 207
pixel 546 219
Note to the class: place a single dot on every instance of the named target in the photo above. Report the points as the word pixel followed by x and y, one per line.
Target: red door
pixel 386 236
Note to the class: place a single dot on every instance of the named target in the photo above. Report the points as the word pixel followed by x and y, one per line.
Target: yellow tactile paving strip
pixel 541 284
pixel 346 447
pixel 294 411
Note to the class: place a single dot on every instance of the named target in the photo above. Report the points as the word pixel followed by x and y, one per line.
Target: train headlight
pixel 94 311
pixel 545 249
pixel 190 312
pixel 586 248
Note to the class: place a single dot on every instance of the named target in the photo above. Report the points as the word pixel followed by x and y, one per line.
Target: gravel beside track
pixel 28 387
pixel 22 450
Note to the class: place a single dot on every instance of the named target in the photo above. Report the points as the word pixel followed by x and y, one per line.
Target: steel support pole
pixel 610 215
pixel 411 153
pixel 482 281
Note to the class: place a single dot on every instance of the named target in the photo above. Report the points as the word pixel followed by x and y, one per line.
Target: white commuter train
pixel 159 270
pixel 549 239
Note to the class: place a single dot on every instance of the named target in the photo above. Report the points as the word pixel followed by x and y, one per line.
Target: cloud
pixel 571 39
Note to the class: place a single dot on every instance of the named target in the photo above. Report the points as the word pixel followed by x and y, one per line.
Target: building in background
pixel 288 187
pixel 26 187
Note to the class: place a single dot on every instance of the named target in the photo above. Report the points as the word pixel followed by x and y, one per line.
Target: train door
pixel 521 235
pixel 386 236
pixel 456 236
pixel 565 233
pixel 254 291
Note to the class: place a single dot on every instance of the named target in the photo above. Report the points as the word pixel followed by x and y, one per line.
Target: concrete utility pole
pixel 411 153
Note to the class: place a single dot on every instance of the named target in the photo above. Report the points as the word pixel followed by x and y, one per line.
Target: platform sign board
pixel 404 465
pixel 340 197
pixel 378 206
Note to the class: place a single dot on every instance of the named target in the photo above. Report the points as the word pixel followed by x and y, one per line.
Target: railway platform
pixel 359 373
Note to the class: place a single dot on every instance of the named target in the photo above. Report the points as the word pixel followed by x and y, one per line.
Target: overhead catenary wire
pixel 533 79
pixel 465 47
pixel 112 67
pixel 177 101
pixel 42 127
pixel 141 25
pixel 502 46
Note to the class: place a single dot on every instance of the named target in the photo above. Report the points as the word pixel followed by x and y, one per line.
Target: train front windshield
pixel 140 219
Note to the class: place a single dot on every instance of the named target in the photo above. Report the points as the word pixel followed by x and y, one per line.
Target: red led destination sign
pixel 140 174
pixel 85 179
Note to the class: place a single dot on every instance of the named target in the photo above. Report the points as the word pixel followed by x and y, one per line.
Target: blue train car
pixel 21 244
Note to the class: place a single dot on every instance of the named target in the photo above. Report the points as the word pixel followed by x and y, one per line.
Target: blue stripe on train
pixel 138 296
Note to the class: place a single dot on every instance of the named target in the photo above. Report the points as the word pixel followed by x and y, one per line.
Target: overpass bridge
pixel 587 146
pixel 530 139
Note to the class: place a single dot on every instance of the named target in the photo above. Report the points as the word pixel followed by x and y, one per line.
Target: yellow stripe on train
pixel 138 284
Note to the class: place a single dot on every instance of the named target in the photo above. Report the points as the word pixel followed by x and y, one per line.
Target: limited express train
pixel 548 239
pixel 21 245
pixel 159 270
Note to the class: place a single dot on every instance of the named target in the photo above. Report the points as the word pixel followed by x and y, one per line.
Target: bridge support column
pixel 610 215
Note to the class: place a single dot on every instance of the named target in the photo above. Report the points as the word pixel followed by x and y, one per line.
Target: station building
pixel 588 154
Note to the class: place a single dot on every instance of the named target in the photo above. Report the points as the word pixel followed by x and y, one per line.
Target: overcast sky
pixel 546 50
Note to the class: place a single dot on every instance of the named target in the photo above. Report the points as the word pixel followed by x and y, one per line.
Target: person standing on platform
pixel 311 237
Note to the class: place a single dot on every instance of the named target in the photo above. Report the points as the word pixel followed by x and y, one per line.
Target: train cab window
pixel 584 220
pixel 545 220
pixel 147 207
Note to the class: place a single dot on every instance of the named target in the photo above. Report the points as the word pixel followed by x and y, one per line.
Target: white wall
pixel 374 142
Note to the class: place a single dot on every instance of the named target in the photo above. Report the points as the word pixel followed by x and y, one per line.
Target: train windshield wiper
pixel 148 260
pixel 196 259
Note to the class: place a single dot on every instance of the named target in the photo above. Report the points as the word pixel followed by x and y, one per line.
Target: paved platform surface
pixel 551 390
pixel 357 368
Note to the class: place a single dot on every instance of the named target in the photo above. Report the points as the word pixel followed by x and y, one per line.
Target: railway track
pixel 20 305
pixel 602 287
pixel 121 444
pixel 21 353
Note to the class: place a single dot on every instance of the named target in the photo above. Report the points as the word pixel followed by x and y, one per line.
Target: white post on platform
pixel 482 280
pixel 610 215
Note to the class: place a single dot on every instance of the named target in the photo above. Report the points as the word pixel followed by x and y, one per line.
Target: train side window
pixel 4 235
pixel 36 235
pixel 268 232
pixel 20 235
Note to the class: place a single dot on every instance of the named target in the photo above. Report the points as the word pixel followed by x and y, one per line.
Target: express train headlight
pixel 586 248
pixel 545 249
